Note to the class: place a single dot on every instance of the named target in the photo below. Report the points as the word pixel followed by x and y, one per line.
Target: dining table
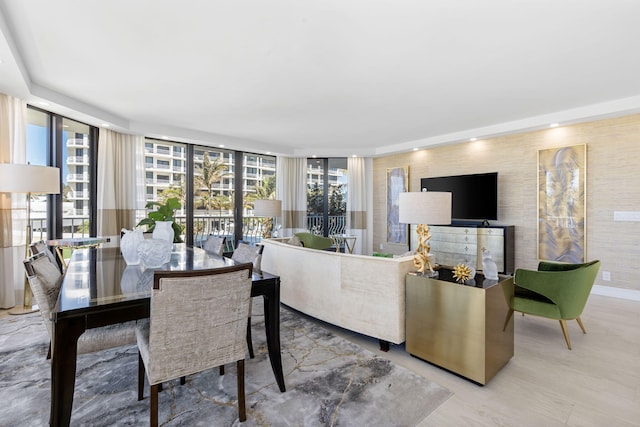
pixel 100 289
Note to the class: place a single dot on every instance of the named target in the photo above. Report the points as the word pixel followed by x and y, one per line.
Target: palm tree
pixel 207 174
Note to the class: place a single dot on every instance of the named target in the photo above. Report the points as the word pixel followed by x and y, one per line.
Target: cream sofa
pixel 365 294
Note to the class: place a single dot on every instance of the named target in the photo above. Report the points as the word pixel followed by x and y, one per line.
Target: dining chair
pixel 556 291
pixel 45 280
pixel 253 254
pixel 197 322
pixel 215 245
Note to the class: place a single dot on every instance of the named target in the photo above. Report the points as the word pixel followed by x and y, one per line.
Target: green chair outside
pixel 310 240
pixel 555 291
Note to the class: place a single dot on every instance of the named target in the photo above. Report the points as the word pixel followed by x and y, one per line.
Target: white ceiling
pixel 324 77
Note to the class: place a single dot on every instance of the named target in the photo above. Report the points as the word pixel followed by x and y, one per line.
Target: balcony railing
pixel 204 225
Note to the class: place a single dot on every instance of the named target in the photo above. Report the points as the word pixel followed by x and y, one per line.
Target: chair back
pixel 249 253
pixel 45 280
pixel 310 240
pixel 41 247
pixel 198 320
pixel 215 245
pixel 577 281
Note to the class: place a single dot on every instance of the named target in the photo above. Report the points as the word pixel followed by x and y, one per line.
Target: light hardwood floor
pixel 595 384
pixel 545 384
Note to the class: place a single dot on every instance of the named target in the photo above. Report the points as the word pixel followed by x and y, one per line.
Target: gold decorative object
pixel 461 272
pixel 421 258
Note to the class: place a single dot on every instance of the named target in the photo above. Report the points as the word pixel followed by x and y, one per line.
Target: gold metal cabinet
pixel 459 327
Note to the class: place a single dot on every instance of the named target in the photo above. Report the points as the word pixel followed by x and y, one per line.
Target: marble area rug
pixel 330 382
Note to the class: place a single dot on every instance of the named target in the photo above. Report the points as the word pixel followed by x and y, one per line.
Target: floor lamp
pixel 422 208
pixel 29 179
pixel 268 208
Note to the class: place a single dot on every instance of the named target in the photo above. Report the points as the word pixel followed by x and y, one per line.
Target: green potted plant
pixel 166 212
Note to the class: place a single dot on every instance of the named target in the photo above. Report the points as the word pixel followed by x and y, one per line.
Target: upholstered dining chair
pixel 555 291
pixel 215 245
pixel 253 254
pixel 45 280
pixel 197 322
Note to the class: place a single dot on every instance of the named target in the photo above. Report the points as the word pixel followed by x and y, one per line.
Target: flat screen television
pixel 473 197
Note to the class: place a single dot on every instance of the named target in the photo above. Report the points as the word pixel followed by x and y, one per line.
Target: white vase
pixel 129 246
pixel 163 231
pixel 154 253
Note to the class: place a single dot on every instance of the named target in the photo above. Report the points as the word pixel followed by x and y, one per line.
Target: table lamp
pixel 18 178
pixel 268 208
pixel 422 208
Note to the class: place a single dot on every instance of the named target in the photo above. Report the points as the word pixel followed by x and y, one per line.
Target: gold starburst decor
pixel 461 272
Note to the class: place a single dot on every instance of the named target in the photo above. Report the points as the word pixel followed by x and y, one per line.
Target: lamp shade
pixel 18 178
pixel 426 207
pixel 267 207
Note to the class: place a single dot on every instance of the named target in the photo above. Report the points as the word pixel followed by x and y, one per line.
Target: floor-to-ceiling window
pixel 57 141
pixel 326 195
pixel 215 195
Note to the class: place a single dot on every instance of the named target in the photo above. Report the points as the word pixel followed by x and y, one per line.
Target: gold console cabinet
pixel 459 327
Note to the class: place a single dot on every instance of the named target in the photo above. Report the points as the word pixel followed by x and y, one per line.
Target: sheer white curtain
pixel 291 188
pixel 13 215
pixel 357 202
pixel 120 182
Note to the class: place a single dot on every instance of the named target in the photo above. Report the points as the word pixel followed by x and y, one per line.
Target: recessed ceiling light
pixel 473 139
pixel 268 152
pixel 553 125
pixel 314 156
pixel 354 155
pixel 165 137
pixel 106 125
pixel 415 149
pixel 46 104
pixel 221 145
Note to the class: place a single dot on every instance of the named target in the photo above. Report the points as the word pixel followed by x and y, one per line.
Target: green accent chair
pixel 313 241
pixel 555 291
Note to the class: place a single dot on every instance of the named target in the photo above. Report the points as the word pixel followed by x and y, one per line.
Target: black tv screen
pixel 473 197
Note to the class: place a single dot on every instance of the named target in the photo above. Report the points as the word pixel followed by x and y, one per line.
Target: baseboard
pixel 610 291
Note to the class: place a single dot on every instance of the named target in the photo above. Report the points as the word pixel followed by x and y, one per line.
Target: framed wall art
pixel 562 194
pixel 397 182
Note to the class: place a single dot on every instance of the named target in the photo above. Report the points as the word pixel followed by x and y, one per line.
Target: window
pixel 54 140
pixel 326 209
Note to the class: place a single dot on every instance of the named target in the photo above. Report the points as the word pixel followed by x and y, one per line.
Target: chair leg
pixel 584 331
pixel 242 410
pixel 506 321
pixel 221 369
pixel 153 410
pixel 49 351
pixel 183 380
pixel 565 332
pixel 249 341
pixel 140 377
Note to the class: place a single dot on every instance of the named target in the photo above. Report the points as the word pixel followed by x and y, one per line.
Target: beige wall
pixel 613 184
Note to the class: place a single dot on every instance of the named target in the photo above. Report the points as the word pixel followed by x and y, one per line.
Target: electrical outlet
pixel 606 276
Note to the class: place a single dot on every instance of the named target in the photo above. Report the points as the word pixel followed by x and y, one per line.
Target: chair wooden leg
pixel 160 387
pixel 242 410
pixel 140 377
pixel 183 380
pixel 221 369
pixel 584 331
pixel 249 341
pixel 49 352
pixel 506 321
pixel 153 410
pixel 565 332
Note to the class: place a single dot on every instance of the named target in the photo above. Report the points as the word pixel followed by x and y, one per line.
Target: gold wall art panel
pixel 562 204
